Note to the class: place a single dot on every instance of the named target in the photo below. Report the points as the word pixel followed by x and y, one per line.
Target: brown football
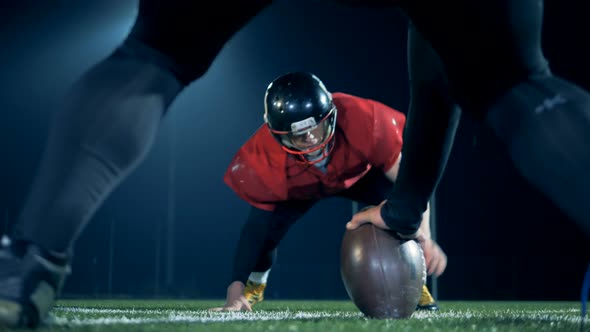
pixel 382 274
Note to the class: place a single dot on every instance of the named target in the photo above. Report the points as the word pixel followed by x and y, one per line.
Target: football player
pixel 489 50
pixel 313 145
pixel 543 120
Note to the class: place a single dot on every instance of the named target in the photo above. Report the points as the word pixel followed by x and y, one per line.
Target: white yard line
pixel 553 315
pixel 88 316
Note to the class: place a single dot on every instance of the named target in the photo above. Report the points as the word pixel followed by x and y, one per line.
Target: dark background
pixel 170 229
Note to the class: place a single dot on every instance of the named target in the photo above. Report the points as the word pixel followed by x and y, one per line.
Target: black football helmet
pixel 301 115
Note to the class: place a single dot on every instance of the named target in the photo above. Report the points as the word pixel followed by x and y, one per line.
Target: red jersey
pixel 368 134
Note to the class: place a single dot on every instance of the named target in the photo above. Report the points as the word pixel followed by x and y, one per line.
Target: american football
pixel 383 275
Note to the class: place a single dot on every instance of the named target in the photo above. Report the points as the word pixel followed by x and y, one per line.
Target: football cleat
pixel 30 280
pixel 426 301
pixel 254 292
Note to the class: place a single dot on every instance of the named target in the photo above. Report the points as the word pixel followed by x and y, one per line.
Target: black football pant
pixel 111 116
pixel 485 58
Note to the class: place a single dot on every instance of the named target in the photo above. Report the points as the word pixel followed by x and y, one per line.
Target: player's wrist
pixel 407 236
pixel 413 236
pixel 417 236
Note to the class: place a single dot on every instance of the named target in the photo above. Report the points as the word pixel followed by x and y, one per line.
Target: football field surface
pixel 302 316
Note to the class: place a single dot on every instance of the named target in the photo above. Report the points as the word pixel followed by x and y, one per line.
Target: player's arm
pixel 424 228
pixel 256 249
pixel 436 259
pixel 253 236
pixel 430 129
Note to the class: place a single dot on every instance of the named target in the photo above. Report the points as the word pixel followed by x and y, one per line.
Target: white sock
pixel 259 277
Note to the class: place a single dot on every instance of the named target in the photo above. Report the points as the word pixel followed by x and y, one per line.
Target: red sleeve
pixel 253 174
pixel 388 128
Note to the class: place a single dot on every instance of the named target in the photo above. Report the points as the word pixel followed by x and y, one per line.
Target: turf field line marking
pixel 558 315
pixel 88 316
pixel 126 316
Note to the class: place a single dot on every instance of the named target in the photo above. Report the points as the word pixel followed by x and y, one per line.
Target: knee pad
pixel 540 100
pixel 545 124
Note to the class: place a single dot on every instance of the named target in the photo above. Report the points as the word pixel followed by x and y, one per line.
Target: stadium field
pixel 302 316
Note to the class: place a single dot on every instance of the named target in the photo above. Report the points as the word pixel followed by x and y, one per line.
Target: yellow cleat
pixel 426 301
pixel 254 292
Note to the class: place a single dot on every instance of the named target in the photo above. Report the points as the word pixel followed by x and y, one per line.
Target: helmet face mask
pixel 309 144
pixel 300 114
pixel 307 139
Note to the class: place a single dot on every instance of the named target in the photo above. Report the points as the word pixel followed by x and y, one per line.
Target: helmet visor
pixel 307 136
pixel 309 139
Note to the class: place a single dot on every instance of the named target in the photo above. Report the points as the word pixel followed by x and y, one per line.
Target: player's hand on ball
pixel 235 299
pixel 436 259
pixel 370 214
